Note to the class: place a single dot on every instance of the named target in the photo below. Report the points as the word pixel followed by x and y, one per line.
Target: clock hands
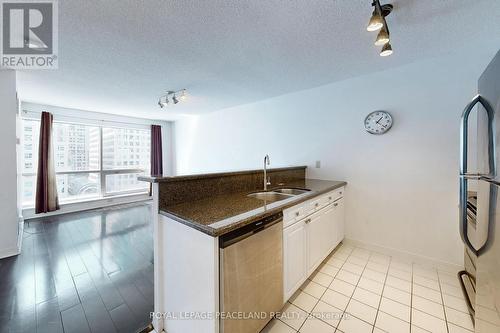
pixel 378 122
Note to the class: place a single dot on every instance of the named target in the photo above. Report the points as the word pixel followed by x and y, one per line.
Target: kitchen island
pixel 197 214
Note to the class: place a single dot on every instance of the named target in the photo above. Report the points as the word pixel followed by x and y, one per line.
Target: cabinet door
pixel 295 257
pixel 332 232
pixel 317 238
pixel 339 219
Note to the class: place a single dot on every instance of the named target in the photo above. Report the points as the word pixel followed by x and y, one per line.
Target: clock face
pixel 378 122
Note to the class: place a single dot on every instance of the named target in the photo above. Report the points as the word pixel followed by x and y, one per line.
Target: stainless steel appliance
pixel 468 275
pixel 480 204
pixel 251 283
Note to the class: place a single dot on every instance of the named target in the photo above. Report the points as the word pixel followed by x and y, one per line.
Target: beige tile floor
pixel 358 291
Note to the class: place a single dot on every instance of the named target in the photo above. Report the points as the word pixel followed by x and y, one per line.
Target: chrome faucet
pixel 267 180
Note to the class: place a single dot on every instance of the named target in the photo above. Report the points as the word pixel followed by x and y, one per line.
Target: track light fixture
pixel 386 50
pixel 164 100
pixel 175 100
pixel 378 22
pixel 382 37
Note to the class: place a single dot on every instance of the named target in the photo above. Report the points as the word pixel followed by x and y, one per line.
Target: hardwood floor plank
pixel 48 317
pixel 74 320
pixel 124 319
pixel 82 272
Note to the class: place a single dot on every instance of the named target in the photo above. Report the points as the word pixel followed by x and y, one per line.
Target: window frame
pixel 31 116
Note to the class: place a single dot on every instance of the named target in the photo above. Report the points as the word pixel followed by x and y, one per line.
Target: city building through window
pixel 91 161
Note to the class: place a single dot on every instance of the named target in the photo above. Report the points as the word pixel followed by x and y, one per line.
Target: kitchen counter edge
pixel 216 232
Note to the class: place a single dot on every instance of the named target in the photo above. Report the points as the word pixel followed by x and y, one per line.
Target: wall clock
pixel 378 122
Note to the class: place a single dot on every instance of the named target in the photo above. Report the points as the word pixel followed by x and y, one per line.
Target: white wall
pixel 403 186
pixel 8 170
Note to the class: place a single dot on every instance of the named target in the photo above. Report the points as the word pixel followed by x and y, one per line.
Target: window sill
pixel 72 206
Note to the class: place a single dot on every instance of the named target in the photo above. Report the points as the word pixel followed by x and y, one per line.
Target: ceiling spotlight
pixel 376 21
pixel 382 37
pixel 171 94
pixel 163 101
pixel 183 95
pixel 386 50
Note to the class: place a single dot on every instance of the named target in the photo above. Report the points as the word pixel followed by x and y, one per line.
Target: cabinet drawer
pixel 296 213
pixel 293 214
pixel 334 195
pixel 337 194
pixel 315 204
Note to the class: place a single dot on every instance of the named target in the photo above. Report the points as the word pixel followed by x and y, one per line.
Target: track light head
pixel 376 21
pixel 382 37
pixel 386 50
pixel 163 103
pixel 183 95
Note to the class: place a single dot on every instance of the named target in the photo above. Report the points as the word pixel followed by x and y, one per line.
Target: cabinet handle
pixel 329 198
pixel 307 221
pixel 317 204
pixel 296 213
pixel 335 204
pixel 340 192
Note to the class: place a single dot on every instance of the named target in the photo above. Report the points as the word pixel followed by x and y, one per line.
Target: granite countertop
pixel 221 214
pixel 181 178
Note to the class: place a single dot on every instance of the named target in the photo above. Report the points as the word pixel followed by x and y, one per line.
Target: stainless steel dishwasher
pixel 251 275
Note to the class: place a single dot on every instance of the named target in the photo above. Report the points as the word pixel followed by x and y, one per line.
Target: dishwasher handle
pixel 240 234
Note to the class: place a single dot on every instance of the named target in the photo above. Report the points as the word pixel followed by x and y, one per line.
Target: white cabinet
pixel 311 231
pixel 339 220
pixel 316 229
pixel 295 257
pixel 332 230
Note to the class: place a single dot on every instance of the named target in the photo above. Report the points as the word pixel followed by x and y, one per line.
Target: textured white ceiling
pixel 118 56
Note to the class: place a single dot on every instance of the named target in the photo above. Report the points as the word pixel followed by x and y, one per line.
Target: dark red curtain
pixel 46 199
pixel 156 151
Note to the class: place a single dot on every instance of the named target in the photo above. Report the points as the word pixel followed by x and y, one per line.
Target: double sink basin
pixel 278 194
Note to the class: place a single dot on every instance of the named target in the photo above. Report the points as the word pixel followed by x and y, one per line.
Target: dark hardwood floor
pixel 81 272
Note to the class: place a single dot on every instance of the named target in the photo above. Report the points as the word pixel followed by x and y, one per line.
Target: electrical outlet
pixel 318 164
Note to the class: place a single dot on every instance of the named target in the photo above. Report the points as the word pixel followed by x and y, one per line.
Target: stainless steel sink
pixel 269 196
pixel 291 191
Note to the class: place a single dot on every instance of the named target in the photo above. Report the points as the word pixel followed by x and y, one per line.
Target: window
pixel 90 161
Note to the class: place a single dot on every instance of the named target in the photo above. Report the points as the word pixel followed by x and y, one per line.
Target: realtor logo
pixel 29 34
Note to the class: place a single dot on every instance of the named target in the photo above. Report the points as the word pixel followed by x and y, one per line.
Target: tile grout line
pixel 343 311
pixel 356 286
pixel 319 299
pixel 382 293
pixel 442 299
pixel 411 298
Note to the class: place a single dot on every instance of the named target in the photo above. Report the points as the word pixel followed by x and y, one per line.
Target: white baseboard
pixel 404 255
pixel 29 213
pixel 13 251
